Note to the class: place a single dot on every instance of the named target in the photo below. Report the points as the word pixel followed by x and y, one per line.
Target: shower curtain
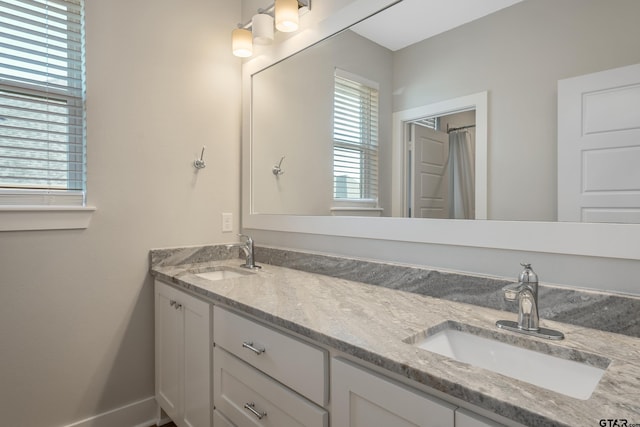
pixel 461 175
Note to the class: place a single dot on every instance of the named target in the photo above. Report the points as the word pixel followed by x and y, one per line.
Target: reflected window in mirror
pixel 355 141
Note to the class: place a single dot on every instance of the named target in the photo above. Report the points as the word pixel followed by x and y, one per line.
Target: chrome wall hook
pixel 277 169
pixel 200 163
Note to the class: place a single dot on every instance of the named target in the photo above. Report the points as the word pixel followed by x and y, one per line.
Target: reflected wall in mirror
pixel 517 54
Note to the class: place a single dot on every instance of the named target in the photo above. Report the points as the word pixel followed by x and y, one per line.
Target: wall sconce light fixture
pixel 286 15
pixel 260 30
pixel 241 43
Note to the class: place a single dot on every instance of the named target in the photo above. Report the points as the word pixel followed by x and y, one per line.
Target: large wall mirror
pixel 515 54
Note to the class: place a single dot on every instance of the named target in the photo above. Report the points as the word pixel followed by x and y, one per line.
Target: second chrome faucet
pixel 526 293
pixel 247 248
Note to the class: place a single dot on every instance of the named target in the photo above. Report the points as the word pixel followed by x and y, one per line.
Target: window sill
pixel 355 211
pixel 24 218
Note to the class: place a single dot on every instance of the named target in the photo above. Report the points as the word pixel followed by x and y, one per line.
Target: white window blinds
pixel 42 156
pixel 355 139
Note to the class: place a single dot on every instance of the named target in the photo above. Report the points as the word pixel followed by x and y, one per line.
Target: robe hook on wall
pixel 277 169
pixel 200 163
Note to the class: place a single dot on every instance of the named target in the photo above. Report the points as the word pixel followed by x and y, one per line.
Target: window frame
pixel 30 207
pixel 368 150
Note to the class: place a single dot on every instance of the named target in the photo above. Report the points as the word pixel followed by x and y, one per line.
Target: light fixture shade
pixel 241 43
pixel 262 28
pixel 286 15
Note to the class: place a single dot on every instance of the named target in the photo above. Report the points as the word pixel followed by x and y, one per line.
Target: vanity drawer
pixel 247 397
pixel 296 364
pixel 220 420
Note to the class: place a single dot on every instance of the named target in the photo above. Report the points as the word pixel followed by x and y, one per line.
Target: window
pixel 42 150
pixel 355 139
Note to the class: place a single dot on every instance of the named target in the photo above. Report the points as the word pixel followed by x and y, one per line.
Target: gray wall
pixel 293 116
pixel 77 316
pixel 518 54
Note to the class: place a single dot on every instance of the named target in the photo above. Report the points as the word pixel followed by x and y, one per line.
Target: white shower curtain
pixel 461 175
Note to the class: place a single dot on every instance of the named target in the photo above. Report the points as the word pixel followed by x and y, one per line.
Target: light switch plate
pixel 227 222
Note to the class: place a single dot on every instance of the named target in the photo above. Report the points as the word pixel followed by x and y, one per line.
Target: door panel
pixel 430 173
pixel 599 147
pixel 168 350
pixel 197 382
pixel 361 398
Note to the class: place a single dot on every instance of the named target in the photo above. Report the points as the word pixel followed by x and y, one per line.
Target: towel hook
pixel 277 169
pixel 200 163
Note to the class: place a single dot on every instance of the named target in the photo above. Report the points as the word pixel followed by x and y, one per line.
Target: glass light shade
pixel 242 43
pixel 262 28
pixel 286 15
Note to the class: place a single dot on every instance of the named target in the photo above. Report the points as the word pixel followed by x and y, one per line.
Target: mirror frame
pixel 585 239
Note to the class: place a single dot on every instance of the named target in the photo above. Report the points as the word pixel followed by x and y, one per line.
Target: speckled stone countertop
pixel 376 324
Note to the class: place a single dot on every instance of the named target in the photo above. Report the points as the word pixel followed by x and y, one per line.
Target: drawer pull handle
pixel 251 407
pixel 172 303
pixel 175 304
pixel 249 345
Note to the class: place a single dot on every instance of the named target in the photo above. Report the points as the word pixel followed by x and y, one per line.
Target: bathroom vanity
pixel 288 347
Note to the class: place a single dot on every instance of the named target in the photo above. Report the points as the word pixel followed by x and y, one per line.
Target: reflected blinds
pixel 355 138
pixel 41 99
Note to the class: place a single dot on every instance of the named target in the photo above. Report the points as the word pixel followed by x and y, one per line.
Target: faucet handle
pixel 511 291
pixel 528 275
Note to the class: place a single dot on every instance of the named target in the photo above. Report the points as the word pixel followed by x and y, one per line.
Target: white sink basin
pixel 574 379
pixel 221 274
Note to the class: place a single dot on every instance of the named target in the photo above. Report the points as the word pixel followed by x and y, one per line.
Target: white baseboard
pixel 142 413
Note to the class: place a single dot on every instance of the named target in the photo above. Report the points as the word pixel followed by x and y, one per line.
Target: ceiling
pixel 411 21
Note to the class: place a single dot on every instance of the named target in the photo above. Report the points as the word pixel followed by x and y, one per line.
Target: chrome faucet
pixel 526 293
pixel 247 248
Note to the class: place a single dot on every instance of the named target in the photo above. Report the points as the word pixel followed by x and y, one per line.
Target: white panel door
pixel 361 398
pixel 599 147
pixel 430 180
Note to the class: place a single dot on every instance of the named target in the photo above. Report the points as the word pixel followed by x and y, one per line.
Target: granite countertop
pixel 376 324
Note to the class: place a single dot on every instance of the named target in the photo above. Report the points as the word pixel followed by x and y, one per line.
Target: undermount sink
pixel 553 372
pixel 221 273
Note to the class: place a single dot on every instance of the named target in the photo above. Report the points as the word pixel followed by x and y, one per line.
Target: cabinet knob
pixel 249 345
pixel 251 407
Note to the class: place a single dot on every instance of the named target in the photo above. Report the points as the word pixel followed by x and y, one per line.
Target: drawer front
pixel 220 420
pixel 248 397
pixel 296 364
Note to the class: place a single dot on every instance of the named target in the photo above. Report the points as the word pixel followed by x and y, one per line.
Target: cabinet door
pixel 183 356
pixel 466 418
pixel 363 398
pixel 196 366
pixel 168 333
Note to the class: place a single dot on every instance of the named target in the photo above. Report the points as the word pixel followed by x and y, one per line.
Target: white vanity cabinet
pixel 466 418
pixel 263 377
pixel 362 398
pixel 183 355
